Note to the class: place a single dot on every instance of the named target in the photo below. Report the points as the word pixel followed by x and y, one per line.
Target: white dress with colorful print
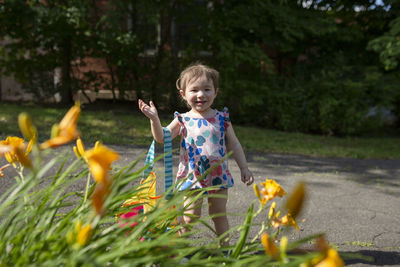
pixel 202 146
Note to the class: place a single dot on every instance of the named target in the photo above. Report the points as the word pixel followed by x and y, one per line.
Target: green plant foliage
pixel 289 65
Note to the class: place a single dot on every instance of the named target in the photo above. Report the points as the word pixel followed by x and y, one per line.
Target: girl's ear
pixel 182 94
pixel 216 91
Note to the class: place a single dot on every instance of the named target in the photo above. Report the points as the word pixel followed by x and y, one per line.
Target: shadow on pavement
pixel 379 173
pixel 373 258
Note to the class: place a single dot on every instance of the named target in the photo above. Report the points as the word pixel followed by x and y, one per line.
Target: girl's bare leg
pixel 217 205
pixel 192 209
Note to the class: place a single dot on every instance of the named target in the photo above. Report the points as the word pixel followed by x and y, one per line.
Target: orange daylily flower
pixel 99 195
pixel 271 190
pixel 66 130
pixel 16 150
pixel 296 200
pixel 100 159
pixel 79 149
pixel 288 220
pixel 270 248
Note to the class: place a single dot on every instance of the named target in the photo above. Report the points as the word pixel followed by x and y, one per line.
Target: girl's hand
pixel 247 176
pixel 149 111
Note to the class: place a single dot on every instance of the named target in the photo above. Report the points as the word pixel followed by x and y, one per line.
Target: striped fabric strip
pixel 168 168
pixel 167 159
pixel 149 160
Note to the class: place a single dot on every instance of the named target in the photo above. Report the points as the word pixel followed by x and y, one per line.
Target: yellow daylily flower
pixel 286 220
pixel 270 248
pixel 296 200
pixel 16 151
pixel 146 194
pixel 26 126
pixel 100 159
pixel 66 130
pixel 271 190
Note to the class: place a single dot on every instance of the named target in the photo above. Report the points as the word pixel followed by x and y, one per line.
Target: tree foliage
pixel 291 65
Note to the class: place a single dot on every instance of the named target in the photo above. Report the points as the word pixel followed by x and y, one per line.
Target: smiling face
pixel 200 94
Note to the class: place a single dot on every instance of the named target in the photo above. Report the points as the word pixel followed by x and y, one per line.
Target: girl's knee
pixel 220 218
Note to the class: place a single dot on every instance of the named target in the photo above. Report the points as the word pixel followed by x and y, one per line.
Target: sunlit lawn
pixel 128 126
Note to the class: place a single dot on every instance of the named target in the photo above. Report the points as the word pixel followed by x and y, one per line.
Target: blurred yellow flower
pixel 332 259
pixel 296 200
pixel 271 212
pixel 4 149
pixel 271 190
pixel 100 193
pixel 100 159
pixel 257 191
pixel 270 248
pixel 26 127
pixel 329 256
pixel 84 234
pixel 16 151
pixel 66 130
pixel 283 245
pixel 288 220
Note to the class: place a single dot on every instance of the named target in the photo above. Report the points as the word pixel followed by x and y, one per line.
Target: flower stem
pixel 87 188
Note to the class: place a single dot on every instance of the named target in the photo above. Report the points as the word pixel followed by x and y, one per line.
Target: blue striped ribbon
pixel 168 170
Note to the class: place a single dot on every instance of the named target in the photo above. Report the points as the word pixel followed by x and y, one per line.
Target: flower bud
pixel 26 126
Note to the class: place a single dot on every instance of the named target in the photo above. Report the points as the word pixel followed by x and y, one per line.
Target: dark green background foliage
pixel 309 66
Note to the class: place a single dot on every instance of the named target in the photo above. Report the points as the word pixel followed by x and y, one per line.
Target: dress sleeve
pixel 227 120
pixel 180 121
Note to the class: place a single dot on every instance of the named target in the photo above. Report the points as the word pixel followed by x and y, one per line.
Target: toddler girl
pixel 206 136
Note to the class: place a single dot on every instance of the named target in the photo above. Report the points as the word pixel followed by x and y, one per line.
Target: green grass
pixel 128 126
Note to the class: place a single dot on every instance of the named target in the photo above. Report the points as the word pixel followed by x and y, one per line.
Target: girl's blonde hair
pixel 195 71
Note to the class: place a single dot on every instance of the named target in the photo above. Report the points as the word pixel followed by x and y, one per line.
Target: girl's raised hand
pixel 149 110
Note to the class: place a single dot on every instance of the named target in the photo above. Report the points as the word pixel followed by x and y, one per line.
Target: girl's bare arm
pixel 233 144
pixel 150 112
